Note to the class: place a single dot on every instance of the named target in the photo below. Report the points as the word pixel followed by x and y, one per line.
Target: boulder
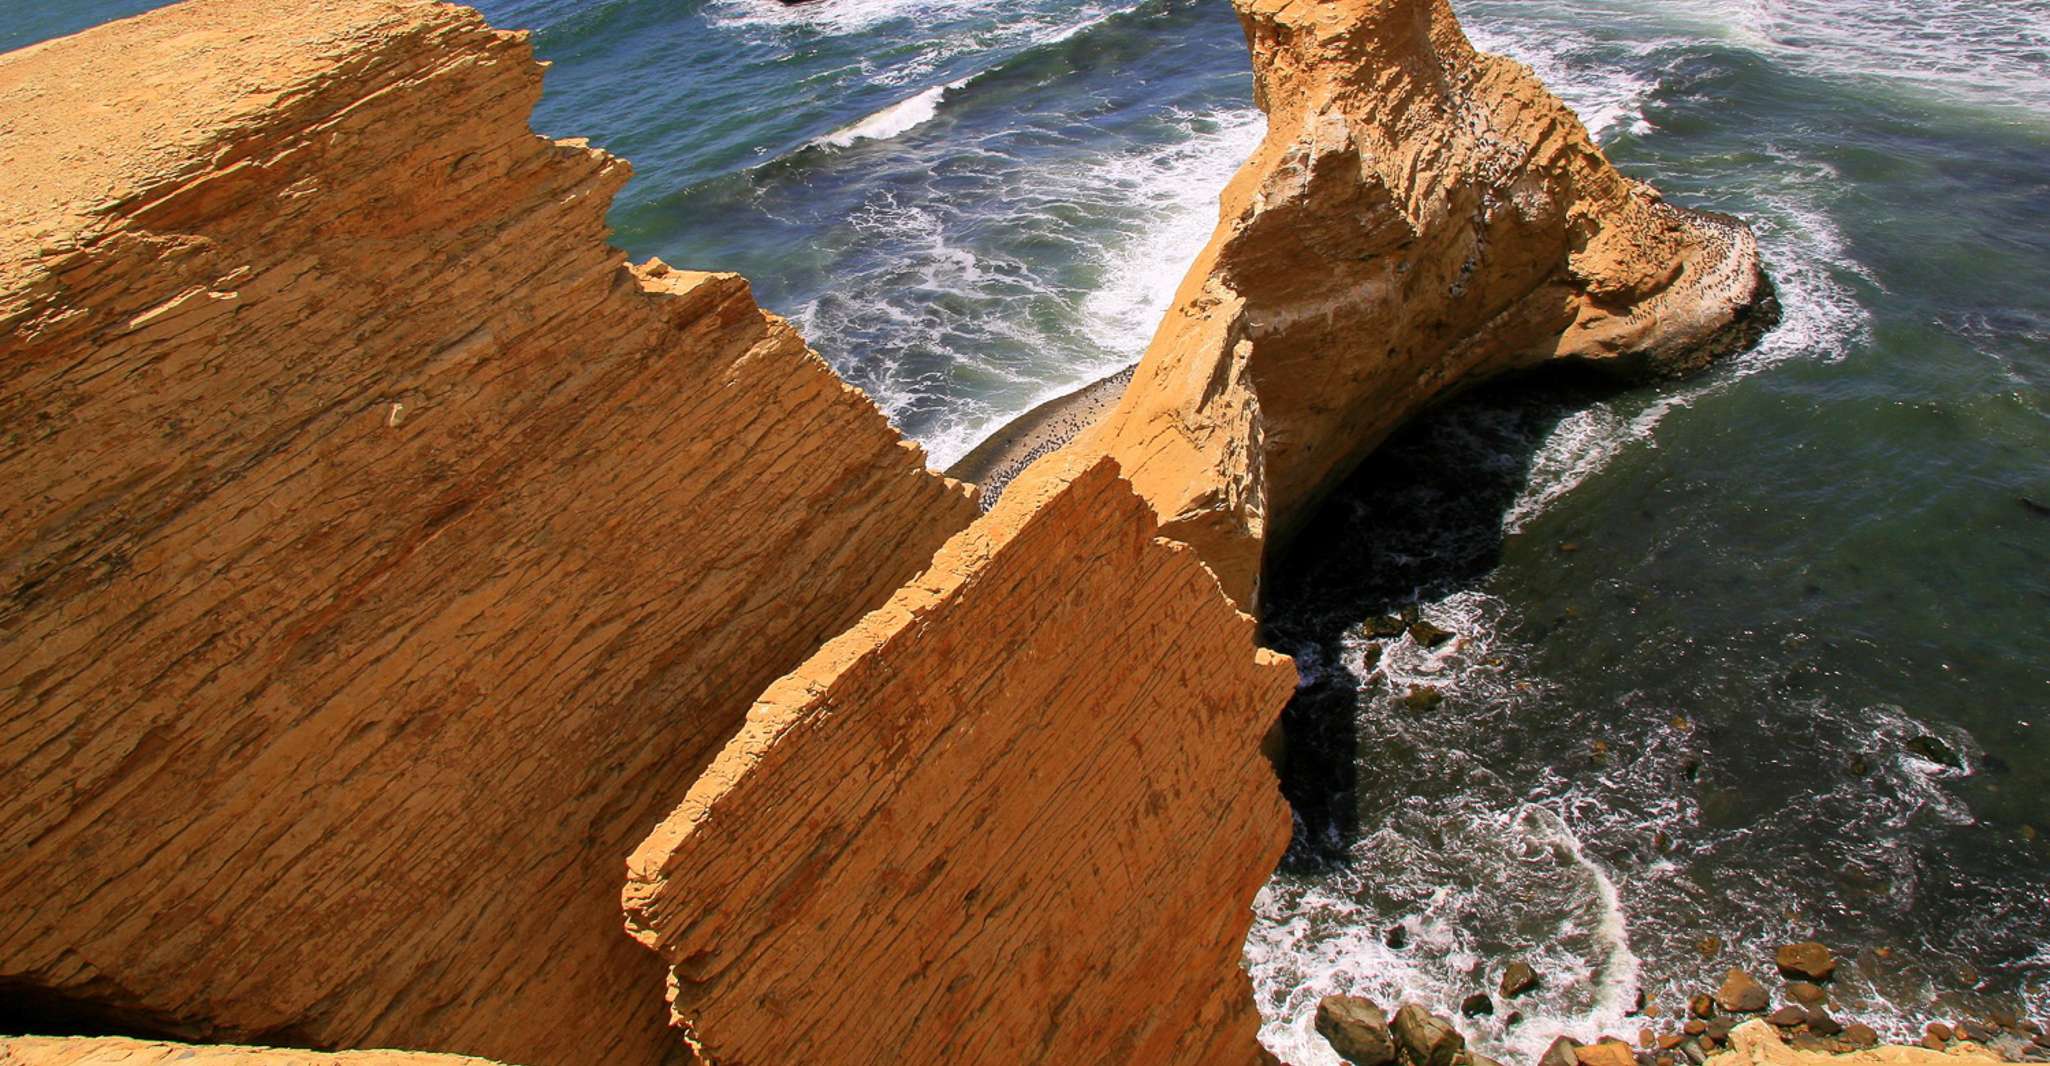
pixel 1741 994
pixel 1702 1006
pixel 1477 1005
pixel 1561 1053
pixel 1356 1029
pixel 1424 1039
pixel 1936 751
pixel 1807 994
pixel 1788 1017
pixel 1858 1034
pixel 1423 697
pixel 1807 960
pixel 1606 1053
pixel 1520 977
pixel 1428 635
pixel 1383 625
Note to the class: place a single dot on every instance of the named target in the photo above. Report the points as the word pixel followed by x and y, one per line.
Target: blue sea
pixel 1756 656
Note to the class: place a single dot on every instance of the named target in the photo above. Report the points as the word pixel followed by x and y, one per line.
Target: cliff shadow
pixel 1422 518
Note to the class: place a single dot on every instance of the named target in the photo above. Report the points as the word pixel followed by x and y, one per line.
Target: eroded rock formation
pixel 1016 815
pixel 1419 216
pixel 382 557
pixel 121 1051
pixel 920 848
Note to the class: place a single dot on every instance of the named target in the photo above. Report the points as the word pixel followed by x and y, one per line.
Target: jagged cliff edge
pixel 384 557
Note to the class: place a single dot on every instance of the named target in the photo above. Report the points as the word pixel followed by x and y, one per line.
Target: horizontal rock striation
pixel 1419 216
pixel 380 556
pixel 122 1051
pixel 1016 815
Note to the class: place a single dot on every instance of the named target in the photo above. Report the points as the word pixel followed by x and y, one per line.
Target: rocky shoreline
pixel 1736 1016
pixel 1004 454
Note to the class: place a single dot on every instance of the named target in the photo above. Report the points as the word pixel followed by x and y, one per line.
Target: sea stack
pixel 1420 216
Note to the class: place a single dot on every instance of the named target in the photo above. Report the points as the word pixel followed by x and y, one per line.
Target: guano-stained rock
pixel 932 846
pixel 1419 216
pixel 380 557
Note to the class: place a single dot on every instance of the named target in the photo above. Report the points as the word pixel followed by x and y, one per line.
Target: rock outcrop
pixel 1420 215
pixel 1756 1044
pixel 380 556
pixel 122 1051
pixel 934 845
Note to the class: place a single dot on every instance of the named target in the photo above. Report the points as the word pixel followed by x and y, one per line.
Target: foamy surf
pixel 895 120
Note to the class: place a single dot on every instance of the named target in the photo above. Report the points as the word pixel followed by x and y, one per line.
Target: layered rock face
pixel 380 557
pixel 121 1051
pixel 1420 216
pixel 1016 815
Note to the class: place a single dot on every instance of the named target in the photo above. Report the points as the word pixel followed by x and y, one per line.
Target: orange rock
pixel 1605 1053
pixel 937 847
pixel 382 557
pixel 1420 215
pixel 101 1051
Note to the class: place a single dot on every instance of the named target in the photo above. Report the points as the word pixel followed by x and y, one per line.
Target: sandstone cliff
pixel 1016 815
pixel 1755 1043
pixel 1420 215
pixel 380 557
pixel 120 1051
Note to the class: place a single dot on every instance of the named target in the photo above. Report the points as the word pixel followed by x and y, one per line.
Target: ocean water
pixel 1706 632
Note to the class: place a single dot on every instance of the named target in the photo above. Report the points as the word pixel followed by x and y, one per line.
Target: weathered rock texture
pixel 932 845
pixel 1419 216
pixel 1756 1043
pixel 120 1051
pixel 380 557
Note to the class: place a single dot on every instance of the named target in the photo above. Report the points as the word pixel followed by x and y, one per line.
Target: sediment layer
pixel 383 557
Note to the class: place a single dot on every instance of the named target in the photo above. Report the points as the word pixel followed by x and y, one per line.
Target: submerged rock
pixel 1936 751
pixel 1356 1029
pixel 1741 994
pixel 1423 697
pixel 1383 626
pixel 1429 635
pixel 1806 993
pixel 1518 978
pixel 1808 959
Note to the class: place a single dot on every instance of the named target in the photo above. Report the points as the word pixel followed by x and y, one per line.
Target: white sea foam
pixel 1176 187
pixel 1608 96
pixel 1166 195
pixel 1821 319
pixel 1967 51
pixel 894 120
